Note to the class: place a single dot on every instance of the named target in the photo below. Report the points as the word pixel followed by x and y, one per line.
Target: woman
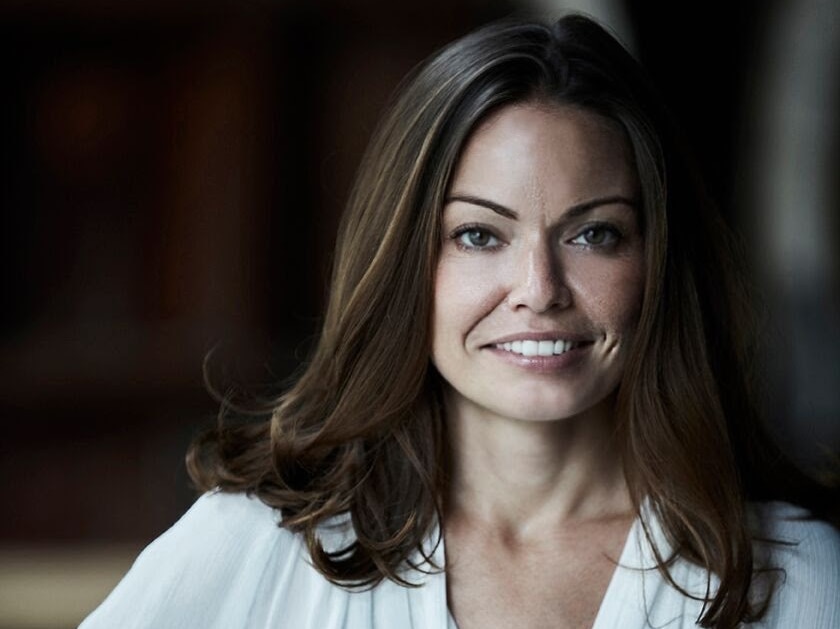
pixel 530 403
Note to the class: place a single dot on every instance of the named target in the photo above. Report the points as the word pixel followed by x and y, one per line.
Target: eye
pixel 598 235
pixel 471 237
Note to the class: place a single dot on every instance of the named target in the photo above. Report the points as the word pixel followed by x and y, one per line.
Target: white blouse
pixel 226 565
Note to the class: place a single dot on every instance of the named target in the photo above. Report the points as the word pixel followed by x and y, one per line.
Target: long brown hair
pixel 362 430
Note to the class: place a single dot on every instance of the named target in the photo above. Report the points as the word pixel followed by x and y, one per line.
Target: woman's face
pixel 541 271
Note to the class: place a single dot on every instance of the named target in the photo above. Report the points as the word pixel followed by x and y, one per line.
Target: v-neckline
pixel 630 556
pixel 631 546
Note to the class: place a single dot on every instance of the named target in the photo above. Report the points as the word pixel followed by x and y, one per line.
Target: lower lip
pixel 555 362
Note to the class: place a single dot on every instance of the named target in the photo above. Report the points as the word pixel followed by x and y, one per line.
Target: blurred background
pixel 172 175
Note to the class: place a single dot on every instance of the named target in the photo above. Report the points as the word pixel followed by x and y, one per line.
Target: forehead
pixel 545 154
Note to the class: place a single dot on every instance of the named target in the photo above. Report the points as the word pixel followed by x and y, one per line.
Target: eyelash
pixel 463 230
pixel 612 233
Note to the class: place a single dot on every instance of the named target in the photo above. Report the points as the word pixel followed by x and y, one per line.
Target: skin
pixel 540 238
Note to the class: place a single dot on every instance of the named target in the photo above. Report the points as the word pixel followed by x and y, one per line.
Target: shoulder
pixel 219 513
pixel 798 541
pixel 802 557
pixel 219 527
pixel 204 569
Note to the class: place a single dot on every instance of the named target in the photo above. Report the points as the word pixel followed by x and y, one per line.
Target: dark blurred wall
pixel 173 174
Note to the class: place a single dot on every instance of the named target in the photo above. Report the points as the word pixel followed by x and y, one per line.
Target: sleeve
pixel 809 591
pixel 203 572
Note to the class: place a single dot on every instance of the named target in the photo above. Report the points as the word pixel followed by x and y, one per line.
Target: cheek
pixel 610 291
pixel 465 291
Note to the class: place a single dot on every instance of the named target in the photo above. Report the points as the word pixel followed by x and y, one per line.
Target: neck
pixel 520 476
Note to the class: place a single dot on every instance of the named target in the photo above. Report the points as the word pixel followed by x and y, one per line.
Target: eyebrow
pixel 572 212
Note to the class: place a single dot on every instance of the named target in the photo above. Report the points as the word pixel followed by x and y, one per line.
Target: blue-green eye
pixel 600 235
pixel 475 238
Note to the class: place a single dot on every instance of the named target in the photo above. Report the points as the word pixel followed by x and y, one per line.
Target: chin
pixel 542 406
pixel 553 413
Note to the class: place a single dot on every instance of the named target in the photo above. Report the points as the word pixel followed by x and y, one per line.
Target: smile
pixel 538 348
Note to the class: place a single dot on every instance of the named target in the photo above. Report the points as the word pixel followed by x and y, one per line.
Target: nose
pixel 539 283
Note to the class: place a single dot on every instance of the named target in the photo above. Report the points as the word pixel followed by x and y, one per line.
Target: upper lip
pixel 542 336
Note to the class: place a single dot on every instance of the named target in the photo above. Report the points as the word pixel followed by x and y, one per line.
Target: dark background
pixel 172 174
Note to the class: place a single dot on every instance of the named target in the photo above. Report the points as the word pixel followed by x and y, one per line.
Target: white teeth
pixel 537 348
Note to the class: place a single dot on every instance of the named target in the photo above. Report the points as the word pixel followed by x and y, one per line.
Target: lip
pixel 543 364
pixel 553 335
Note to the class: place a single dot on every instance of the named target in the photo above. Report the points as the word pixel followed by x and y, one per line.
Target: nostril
pixel 541 298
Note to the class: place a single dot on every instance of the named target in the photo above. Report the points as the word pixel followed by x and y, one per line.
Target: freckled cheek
pixel 609 293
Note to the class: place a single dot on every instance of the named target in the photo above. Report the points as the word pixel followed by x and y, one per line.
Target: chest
pixel 559 583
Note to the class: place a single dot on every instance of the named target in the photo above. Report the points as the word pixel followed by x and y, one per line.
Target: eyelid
pixel 615 231
pixel 464 228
